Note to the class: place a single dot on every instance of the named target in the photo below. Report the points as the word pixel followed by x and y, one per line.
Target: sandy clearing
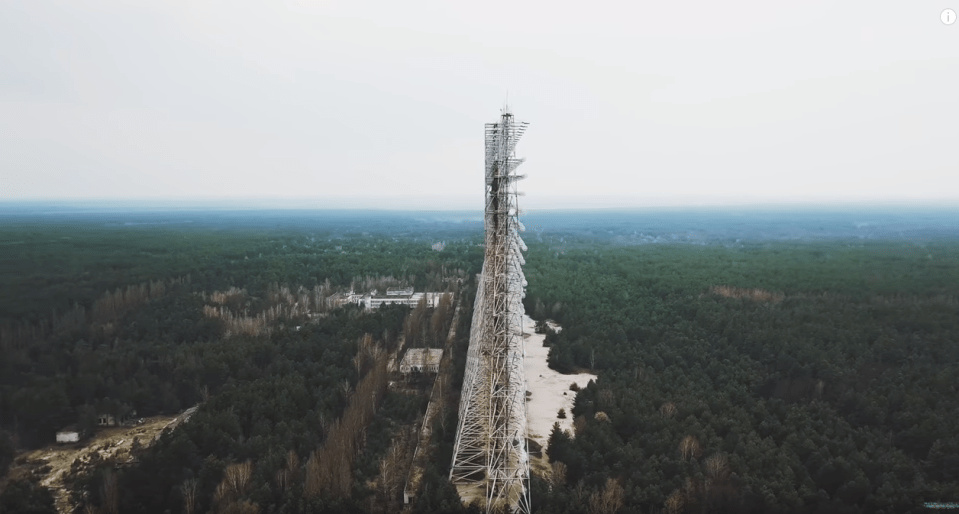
pixel 550 388
pixel 115 443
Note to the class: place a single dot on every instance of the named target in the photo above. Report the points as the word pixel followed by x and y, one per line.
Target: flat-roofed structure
pixel 68 435
pixel 373 302
pixel 421 360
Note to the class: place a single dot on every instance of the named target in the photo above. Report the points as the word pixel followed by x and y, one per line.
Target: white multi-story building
pixel 372 302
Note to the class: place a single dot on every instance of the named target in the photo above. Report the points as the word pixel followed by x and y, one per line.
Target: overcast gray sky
pixel 383 103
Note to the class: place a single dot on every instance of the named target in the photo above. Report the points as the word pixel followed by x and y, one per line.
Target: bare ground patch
pixel 549 391
pixel 758 295
pixel 57 466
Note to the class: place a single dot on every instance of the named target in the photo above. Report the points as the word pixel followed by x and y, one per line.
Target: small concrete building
pixel 421 360
pixel 107 420
pixel 68 435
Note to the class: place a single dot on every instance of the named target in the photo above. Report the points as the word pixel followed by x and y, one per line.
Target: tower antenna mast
pixel 490 455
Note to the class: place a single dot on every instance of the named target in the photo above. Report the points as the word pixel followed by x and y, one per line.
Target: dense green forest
pixel 108 318
pixel 762 378
pixel 733 377
pixel 48 265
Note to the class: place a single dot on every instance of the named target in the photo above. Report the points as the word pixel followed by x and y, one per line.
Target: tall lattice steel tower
pixel 490 457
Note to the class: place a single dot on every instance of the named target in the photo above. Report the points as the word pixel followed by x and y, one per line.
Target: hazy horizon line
pixel 433 203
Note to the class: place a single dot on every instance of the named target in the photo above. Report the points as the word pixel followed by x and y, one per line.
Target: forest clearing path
pixel 113 443
pixel 550 392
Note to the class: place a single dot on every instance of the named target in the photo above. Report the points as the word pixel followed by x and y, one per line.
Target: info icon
pixel 948 16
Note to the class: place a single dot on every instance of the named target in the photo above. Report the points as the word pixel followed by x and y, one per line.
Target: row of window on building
pixel 373 300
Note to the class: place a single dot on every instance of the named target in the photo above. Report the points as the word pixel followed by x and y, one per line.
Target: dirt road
pixel 549 392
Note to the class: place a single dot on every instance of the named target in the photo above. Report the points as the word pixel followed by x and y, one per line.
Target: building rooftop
pixel 422 357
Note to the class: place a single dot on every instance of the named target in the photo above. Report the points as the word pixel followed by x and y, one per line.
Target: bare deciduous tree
pixel 608 500
pixel 330 467
pixel 293 464
pixel 282 479
pixel 717 467
pixel 689 447
pixel 392 472
pixel 441 315
pixel 558 474
pixel 236 480
pixel 358 364
pixel 237 476
pixel 667 410
pixel 579 492
pixel 674 503
pixel 287 476
pixel 188 488
pixel 416 324
pixel 316 476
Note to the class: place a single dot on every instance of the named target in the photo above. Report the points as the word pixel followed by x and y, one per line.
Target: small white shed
pixel 68 435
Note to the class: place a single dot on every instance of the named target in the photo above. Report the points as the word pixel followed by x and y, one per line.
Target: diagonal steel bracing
pixel 491 451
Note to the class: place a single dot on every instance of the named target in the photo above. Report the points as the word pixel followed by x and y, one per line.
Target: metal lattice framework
pixel 491 450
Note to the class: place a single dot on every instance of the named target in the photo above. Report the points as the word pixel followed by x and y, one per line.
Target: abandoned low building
pixel 421 360
pixel 68 435
pixel 394 295
pixel 373 302
pixel 108 420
